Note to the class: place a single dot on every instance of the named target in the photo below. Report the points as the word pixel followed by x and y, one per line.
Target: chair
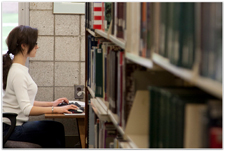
pixel 15 144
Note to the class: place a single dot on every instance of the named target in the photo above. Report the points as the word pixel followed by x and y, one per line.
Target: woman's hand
pixel 65 109
pixel 60 100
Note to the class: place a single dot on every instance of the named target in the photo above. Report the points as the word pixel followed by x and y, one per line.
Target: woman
pixel 20 91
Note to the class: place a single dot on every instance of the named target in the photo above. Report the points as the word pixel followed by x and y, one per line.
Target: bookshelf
pixel 91 92
pixel 139 60
pixel 136 128
pixel 211 86
pixel 99 110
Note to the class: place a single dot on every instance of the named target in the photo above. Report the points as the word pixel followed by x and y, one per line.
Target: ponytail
pixel 7 62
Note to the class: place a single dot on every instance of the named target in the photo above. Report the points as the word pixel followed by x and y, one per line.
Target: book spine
pixel 120 20
pixel 97 15
pixel 144 29
pixel 103 16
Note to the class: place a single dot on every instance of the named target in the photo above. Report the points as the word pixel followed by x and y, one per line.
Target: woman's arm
pixel 36 110
pixel 50 104
pixel 43 104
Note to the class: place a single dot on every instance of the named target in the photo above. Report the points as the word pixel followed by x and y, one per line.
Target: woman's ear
pixel 24 48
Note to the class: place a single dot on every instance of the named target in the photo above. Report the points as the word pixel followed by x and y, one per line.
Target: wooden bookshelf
pixel 119 42
pixel 99 110
pixel 91 92
pixel 139 60
pixel 92 33
pixel 102 33
pixel 138 130
pixel 104 104
pixel 211 86
pixel 114 119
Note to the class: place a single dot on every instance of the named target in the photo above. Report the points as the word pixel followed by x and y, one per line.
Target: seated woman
pixel 20 91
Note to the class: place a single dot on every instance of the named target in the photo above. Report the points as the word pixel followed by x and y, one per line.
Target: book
pixel 162 30
pixel 115 19
pixel 119 97
pixel 120 14
pixel 156 27
pixel 97 15
pixel 103 16
pixel 92 42
pixel 98 72
pixel 113 80
pixel 108 14
pixel 215 123
pixel 129 27
pixel 143 29
pixel 187 55
pixel 109 133
pixel 218 45
pixel 168 125
pixel 91 132
pixel 104 67
pixel 150 36
pixel 96 127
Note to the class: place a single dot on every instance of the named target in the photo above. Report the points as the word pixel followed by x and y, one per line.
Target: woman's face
pixel 33 51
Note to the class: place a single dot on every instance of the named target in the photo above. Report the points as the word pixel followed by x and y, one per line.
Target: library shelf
pixel 91 92
pixel 211 86
pixel 125 145
pixel 139 60
pixel 104 104
pixel 118 41
pixel 92 32
pixel 102 33
pixel 99 110
pixel 114 120
pixel 141 141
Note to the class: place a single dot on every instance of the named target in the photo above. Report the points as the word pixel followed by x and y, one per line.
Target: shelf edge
pixel 209 85
pixel 91 91
pixel 139 60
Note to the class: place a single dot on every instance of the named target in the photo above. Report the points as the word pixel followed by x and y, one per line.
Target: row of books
pixel 115 82
pixel 102 134
pixel 99 15
pixel 105 72
pixel 105 133
pixel 188 34
pixel 184 118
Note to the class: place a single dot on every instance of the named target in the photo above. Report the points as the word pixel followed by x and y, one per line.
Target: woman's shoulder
pixel 16 71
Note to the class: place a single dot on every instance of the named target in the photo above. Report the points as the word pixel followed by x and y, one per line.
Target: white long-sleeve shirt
pixel 19 94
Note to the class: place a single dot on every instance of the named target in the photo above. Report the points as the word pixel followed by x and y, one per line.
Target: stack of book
pixel 182 118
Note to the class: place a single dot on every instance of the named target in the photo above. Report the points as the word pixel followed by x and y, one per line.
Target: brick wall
pixel 60 60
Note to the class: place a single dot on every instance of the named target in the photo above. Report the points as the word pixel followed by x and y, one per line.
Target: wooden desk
pixel 80 122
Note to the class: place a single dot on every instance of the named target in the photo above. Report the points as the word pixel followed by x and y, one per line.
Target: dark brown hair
pixel 19 35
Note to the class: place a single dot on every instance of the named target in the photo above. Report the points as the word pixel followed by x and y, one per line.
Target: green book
pixel 169 30
pixel 98 73
pixel 154 117
pixel 108 15
pixel 176 34
pixel 187 31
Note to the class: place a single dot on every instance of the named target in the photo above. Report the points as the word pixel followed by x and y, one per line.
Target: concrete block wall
pixel 60 61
